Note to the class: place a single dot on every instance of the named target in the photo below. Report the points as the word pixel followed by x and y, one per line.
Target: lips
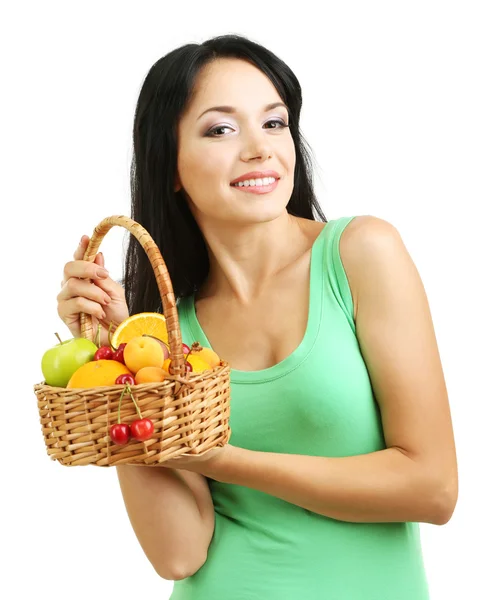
pixel 255 175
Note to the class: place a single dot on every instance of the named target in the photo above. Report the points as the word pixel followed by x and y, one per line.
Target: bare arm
pixel 172 515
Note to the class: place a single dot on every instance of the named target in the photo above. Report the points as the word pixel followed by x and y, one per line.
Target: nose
pixel 257 145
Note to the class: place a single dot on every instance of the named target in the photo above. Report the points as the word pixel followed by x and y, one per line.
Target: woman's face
pixel 216 148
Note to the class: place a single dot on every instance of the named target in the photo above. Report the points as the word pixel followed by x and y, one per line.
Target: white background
pixel 396 112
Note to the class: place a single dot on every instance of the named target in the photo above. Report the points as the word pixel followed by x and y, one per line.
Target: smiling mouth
pixel 256 189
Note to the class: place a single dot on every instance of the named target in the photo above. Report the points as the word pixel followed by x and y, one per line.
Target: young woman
pixel 342 439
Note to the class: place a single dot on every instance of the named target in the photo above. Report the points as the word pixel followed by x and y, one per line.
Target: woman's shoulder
pixel 360 231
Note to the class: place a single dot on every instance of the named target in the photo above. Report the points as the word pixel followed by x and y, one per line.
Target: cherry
pixel 104 353
pixel 120 433
pixel 186 349
pixel 142 429
pixel 126 378
pixel 119 353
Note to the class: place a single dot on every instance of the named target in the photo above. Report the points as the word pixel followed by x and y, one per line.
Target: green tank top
pixel 319 402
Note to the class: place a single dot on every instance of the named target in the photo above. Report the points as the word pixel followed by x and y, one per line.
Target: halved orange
pixel 149 323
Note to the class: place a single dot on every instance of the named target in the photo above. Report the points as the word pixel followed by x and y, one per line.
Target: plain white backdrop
pixel 395 111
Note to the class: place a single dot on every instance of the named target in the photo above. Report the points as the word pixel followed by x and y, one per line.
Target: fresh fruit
pixel 197 363
pixel 143 352
pixel 60 362
pixel 186 349
pixel 120 433
pixel 142 429
pixel 104 352
pixel 150 375
pixel 125 378
pixel 164 346
pixel 150 323
pixel 209 356
pixel 204 353
pixel 97 372
pixel 119 353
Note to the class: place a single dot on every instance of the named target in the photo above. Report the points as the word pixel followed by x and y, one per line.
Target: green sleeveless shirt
pixel 319 402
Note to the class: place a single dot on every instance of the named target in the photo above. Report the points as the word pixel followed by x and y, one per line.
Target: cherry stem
pixel 120 402
pixel 128 389
pixel 97 338
pixel 110 336
pixel 57 335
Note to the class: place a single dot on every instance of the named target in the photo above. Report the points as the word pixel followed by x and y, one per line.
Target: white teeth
pixel 255 182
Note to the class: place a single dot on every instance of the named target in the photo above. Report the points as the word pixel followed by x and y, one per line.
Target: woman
pixel 341 433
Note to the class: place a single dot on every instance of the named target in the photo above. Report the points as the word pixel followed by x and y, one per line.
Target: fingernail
pixel 81 241
pixel 103 273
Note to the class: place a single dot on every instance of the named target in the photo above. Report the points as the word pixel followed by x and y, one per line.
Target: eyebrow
pixel 232 109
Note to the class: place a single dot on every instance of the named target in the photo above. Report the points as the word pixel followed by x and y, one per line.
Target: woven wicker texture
pixel 190 411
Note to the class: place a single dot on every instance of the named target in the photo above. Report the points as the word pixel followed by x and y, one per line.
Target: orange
pixel 97 372
pixel 209 356
pixel 166 365
pixel 150 375
pixel 150 323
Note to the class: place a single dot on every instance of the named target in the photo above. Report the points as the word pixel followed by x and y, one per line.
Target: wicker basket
pixel 190 411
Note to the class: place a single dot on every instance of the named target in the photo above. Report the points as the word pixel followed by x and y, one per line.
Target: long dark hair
pixel 165 93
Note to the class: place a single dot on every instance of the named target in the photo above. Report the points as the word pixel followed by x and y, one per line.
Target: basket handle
pixel 162 278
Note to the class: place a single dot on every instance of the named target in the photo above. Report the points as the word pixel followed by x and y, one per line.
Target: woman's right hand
pixel 104 299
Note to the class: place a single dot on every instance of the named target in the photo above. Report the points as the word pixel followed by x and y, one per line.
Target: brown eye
pixel 281 125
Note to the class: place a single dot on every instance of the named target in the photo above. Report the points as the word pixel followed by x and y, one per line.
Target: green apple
pixel 61 361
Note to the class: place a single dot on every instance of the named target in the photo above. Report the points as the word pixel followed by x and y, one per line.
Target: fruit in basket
pixel 97 372
pixel 104 352
pixel 149 323
pixel 120 433
pixel 119 353
pixel 143 352
pixel 60 362
pixel 209 356
pixel 150 375
pixel 197 363
pixel 164 346
pixel 125 378
pixel 142 429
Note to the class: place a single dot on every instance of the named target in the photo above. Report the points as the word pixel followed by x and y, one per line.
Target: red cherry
pixel 126 378
pixel 119 353
pixel 103 353
pixel 186 349
pixel 142 429
pixel 120 433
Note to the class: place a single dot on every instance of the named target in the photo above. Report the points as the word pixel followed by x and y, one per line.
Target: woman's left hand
pixel 205 464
